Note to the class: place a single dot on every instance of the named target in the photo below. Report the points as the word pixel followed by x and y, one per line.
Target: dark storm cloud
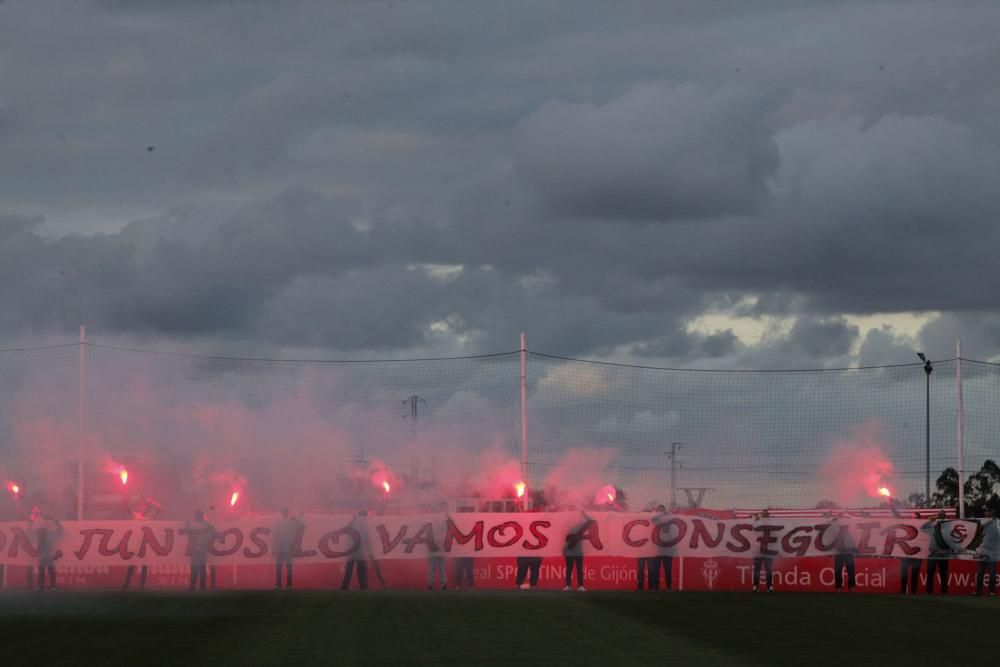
pixel 659 151
pixel 823 338
pixel 682 344
pixel 811 342
pixel 395 175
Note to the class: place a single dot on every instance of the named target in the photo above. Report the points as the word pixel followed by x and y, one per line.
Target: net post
pixel 80 423
pixel 524 417
pixel 960 415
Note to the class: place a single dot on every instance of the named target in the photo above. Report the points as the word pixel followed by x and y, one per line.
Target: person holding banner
pixel 463 572
pixel 528 567
pixel 48 534
pixel 202 533
pixel 989 552
pixel 909 573
pixel 212 569
pixel 286 535
pixel 464 566
pixel 573 551
pixel 641 567
pixel 35 523
pixel 435 561
pixel 435 566
pixel 844 558
pixel 909 568
pixel 359 559
pixel 762 559
pixel 939 565
pixel 663 559
pixel 146 509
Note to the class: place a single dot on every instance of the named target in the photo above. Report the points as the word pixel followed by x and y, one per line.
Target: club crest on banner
pixel 957 537
pixel 710 573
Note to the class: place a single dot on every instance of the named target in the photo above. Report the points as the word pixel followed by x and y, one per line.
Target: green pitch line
pixel 493 628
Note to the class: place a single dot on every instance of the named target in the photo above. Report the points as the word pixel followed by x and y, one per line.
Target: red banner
pixel 325 538
pixel 873 575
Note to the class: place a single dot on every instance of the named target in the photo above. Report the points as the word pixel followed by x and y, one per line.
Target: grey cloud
pixel 296 271
pixel 883 346
pixel 13 225
pixel 859 214
pixel 685 345
pixel 978 331
pixel 811 342
pixel 659 151
pixel 720 344
pixel 308 150
pixel 378 309
pixel 823 338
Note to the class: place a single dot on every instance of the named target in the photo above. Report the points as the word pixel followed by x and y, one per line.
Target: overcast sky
pixel 727 185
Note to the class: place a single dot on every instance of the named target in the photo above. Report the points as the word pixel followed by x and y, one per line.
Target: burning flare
pixel 519 487
pixel 234 498
pixel 385 485
pixel 884 491
pixel 123 476
pixel 606 494
pixel 14 488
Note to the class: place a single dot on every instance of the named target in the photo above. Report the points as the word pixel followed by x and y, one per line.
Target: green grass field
pixel 494 628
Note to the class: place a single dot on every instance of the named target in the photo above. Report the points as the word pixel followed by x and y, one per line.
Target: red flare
pixel 884 491
pixel 605 494
pixel 519 487
pixel 123 476
pixel 14 488
pixel 385 485
pixel 234 498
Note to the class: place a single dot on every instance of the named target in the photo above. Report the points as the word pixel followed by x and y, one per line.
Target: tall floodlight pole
pixel 413 402
pixel 928 369
pixel 80 424
pixel 961 428
pixel 524 410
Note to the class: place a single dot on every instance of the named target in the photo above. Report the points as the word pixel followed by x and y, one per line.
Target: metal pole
pixel 80 424
pixel 927 451
pixel 674 446
pixel 960 434
pixel 413 402
pixel 524 412
pixel 928 369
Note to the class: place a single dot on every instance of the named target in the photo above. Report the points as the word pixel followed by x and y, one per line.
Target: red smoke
pixel 495 474
pixel 193 436
pixel 572 481
pixel 857 468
